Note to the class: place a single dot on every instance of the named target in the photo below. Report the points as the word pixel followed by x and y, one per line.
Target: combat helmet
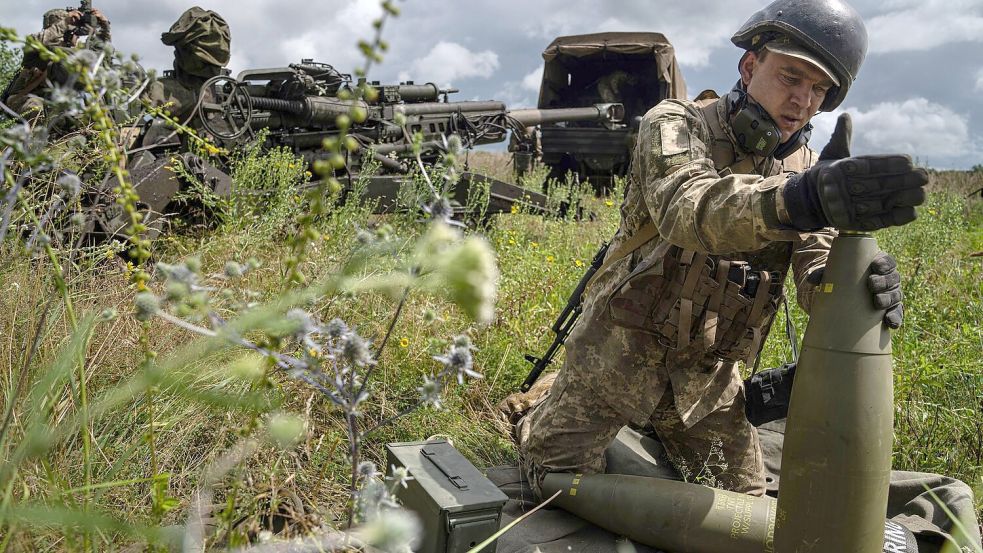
pixel 829 29
pixel 53 16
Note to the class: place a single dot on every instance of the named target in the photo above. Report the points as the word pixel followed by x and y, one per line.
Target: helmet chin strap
pixel 756 131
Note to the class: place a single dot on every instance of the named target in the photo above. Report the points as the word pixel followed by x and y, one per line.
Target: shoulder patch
pixel 674 135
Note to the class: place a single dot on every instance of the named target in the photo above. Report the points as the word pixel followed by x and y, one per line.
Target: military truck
pixel 637 70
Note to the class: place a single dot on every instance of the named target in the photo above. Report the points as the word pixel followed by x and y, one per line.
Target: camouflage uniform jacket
pixel 703 194
pixel 34 70
pixel 179 93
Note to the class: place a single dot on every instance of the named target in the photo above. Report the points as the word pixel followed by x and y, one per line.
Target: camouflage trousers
pixel 570 427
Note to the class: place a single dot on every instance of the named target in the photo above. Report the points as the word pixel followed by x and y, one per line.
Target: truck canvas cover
pixel 566 51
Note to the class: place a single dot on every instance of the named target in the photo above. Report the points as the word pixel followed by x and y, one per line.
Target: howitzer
pixel 299 106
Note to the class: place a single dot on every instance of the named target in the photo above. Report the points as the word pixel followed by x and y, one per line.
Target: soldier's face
pixel 790 89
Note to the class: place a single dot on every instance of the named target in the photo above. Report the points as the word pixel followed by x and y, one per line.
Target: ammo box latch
pixel 434 458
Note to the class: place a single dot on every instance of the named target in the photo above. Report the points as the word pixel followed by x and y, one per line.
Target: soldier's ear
pixel 746 66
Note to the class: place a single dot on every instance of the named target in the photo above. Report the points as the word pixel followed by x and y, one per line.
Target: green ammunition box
pixel 458 507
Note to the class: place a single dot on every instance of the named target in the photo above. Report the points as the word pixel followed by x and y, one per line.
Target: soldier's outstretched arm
pixel 862 193
pixel 859 193
pixel 691 204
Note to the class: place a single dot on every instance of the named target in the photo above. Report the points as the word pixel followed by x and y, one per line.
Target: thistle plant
pixel 333 357
pixel 93 89
pixel 339 359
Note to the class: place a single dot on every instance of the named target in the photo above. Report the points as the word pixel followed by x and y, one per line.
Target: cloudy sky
pixel 919 91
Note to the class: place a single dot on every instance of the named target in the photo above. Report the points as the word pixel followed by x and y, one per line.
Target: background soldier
pixel 723 196
pixel 621 87
pixel 202 42
pixel 61 29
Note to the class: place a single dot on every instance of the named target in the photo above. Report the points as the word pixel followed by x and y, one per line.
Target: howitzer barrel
pixel 684 517
pixel 611 113
pixel 427 92
pixel 438 108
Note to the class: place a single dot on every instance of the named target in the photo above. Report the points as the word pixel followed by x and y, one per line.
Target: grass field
pixel 107 443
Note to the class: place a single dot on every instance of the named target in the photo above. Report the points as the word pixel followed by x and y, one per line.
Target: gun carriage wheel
pixel 225 108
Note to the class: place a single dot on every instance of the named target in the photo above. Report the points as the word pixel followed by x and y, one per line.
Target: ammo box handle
pixel 455 479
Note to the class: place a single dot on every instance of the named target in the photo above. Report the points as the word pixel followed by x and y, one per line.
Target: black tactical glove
pixel 861 193
pixel 884 282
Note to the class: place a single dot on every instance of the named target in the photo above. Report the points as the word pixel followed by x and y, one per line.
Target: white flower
pixel 69 185
pixel 233 269
pixel 458 361
pixel 335 328
pixel 367 469
pixel 285 430
pixel 355 350
pixel 399 477
pixel 147 305
pixel 471 276
pixel 394 530
pixel 430 392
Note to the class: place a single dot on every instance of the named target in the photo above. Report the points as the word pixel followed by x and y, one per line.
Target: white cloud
pixel 238 60
pixel 300 46
pixel 533 79
pixel 499 43
pixel 692 45
pixel 448 61
pixel 357 17
pixel 927 131
pixel 695 28
pixel 926 24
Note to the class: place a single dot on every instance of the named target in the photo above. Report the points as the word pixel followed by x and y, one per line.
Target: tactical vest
pixel 702 308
